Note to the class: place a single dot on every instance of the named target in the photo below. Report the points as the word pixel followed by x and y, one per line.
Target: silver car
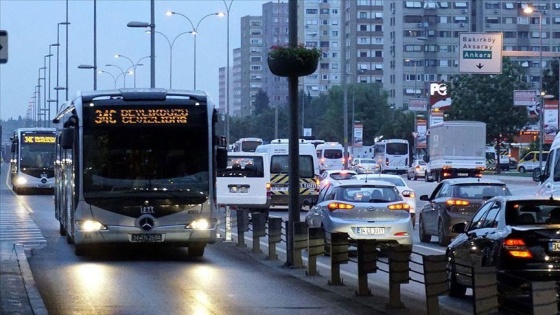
pixel 364 166
pixel 416 170
pixel 365 210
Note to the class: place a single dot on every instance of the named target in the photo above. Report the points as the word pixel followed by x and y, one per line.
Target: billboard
pixel 525 98
pixel 358 140
pixel 417 104
pixel 421 128
pixel 550 126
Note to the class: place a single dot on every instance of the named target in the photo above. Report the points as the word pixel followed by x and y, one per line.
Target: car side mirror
pixel 537 175
pixel 459 227
pixel 425 198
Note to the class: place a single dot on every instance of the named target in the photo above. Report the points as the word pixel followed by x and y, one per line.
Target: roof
pixel 472 180
pixel 356 182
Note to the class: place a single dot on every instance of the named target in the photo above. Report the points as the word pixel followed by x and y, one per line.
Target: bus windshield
pixel 250 145
pixel 167 160
pixel 37 152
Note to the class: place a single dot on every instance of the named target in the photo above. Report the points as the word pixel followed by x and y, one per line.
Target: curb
pixel 33 295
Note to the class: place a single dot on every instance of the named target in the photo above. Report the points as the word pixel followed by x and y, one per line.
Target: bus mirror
pixel 67 138
pixel 426 158
pixel 537 175
pixel 221 158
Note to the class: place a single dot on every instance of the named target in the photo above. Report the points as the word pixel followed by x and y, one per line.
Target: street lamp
pixel 531 10
pixel 152 56
pixel 112 76
pixel 58 87
pixel 123 73
pixel 134 65
pixel 171 43
pixel 228 7
pixel 94 76
pixel 194 32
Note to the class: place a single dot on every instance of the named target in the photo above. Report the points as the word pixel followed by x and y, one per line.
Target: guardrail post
pixel 299 243
pixel 399 257
pixel 339 255
pixel 229 223
pixel 367 263
pixel 315 247
pixel 259 229
pixel 274 236
pixel 543 296
pixel 435 281
pixel 242 221
pixel 485 291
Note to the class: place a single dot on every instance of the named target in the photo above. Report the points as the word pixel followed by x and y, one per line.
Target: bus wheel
pixel 80 250
pixel 196 250
pixel 61 229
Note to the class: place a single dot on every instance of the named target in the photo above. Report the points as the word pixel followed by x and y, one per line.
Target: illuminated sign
pixel 38 139
pixel 118 116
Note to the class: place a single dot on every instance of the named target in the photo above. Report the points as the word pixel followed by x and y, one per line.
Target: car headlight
pixel 21 180
pixel 89 226
pixel 201 224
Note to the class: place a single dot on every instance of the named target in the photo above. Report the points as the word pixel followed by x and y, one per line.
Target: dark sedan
pixel 452 201
pixel 516 234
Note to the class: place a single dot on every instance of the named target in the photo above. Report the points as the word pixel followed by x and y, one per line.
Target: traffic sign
pixel 3 46
pixel 480 53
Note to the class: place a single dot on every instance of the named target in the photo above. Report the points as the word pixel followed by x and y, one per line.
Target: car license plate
pixel 146 238
pixel 281 188
pixel 554 246
pixel 463 174
pixel 371 230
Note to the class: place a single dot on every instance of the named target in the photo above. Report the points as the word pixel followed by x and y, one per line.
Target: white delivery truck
pixel 549 177
pixel 456 149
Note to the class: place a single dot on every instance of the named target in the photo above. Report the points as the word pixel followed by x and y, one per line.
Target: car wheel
pixel 426 177
pixel 408 176
pixel 415 177
pixel 443 239
pixel 521 170
pixel 425 238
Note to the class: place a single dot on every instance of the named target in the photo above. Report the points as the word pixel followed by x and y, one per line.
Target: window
pixel 461 5
pixel 311 11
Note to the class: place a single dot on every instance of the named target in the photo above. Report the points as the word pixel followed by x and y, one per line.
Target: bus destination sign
pixel 119 116
pixel 38 138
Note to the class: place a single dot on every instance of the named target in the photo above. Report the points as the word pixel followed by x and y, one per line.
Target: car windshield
pixel 393 180
pixel 368 193
pixel 366 162
pixel 529 212
pixel 480 191
pixel 339 176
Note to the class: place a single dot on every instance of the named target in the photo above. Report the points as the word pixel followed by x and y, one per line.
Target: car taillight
pixel 417 168
pixel 408 193
pixel 268 193
pixel 339 206
pixel 323 161
pixel 399 206
pixel 517 248
pixel 457 202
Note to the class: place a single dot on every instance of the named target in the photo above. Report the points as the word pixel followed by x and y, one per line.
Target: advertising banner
pixel 525 98
pixel 417 104
pixel 550 126
pixel 421 129
pixel 436 118
pixel 358 140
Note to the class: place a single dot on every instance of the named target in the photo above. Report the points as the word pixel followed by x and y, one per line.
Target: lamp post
pixel 50 69
pixel 152 56
pixel 112 76
pixel 58 87
pixel 134 65
pixel 530 10
pixel 194 32
pixel 123 73
pixel 170 43
pixel 94 77
pixel 228 7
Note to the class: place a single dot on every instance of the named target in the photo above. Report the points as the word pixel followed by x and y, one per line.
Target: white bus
pixel 137 166
pixel 392 155
pixel 330 155
pixel 32 159
pixel 247 144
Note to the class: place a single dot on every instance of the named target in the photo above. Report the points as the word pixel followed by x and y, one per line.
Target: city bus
pixel 247 144
pixel 138 166
pixel 392 155
pixel 32 160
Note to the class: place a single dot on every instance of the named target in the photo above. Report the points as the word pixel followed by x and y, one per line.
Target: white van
pixel 549 178
pixel 245 182
pixel 278 153
pixel 331 156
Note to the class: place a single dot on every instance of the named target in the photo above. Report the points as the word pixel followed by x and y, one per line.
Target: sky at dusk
pixel 33 27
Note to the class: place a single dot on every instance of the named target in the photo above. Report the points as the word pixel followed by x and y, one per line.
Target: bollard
pixel 339 255
pixel 299 242
pixel 229 224
pixel 367 263
pixel 259 229
pixel 399 268
pixel 315 247
pixel 435 281
pixel 274 236
pixel 543 296
pixel 242 221
pixel 485 291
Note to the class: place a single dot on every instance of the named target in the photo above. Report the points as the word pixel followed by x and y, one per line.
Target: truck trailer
pixel 456 149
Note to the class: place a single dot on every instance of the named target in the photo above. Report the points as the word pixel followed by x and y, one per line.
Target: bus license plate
pixel 279 188
pixel 146 238
pixel 554 246
pixel 463 174
pixel 371 230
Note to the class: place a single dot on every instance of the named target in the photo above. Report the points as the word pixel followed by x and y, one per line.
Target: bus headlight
pixel 89 226
pixel 201 224
pixel 21 180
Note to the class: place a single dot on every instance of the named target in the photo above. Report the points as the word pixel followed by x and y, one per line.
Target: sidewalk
pixel 18 294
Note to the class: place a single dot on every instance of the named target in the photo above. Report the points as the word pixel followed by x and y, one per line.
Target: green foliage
pixel 489 98
pixel 551 78
pixel 261 103
pixel 298 52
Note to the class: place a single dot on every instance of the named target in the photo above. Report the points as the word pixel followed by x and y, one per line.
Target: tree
pixel 551 79
pixel 489 98
pixel 261 103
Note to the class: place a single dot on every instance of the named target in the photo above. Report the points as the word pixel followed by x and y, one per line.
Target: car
pixel 518 235
pixel 453 201
pixel 406 192
pixel 364 166
pixel 372 210
pixel 531 161
pixel 416 170
pixel 329 176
